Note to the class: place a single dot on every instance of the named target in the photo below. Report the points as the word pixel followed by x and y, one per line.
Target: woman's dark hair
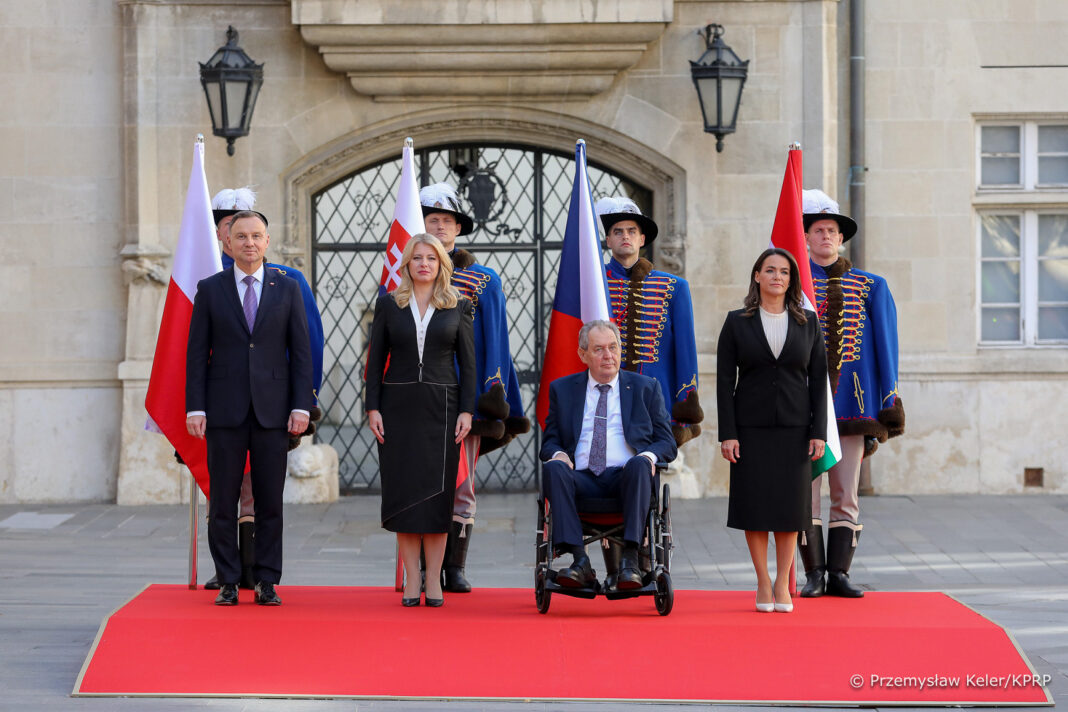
pixel 793 297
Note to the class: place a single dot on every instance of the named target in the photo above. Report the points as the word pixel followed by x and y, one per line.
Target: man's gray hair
pixel 584 332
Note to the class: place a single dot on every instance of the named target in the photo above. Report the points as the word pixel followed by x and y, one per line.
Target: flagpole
pixel 194 497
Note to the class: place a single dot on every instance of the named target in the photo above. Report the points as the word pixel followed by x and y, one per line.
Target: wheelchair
pixel 602 521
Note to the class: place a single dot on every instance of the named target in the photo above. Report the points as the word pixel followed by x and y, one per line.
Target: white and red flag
pixel 407 220
pixel 195 257
pixel 788 233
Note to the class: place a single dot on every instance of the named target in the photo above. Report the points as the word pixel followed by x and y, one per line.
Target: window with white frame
pixel 1024 277
pixel 1026 155
pixel 1023 269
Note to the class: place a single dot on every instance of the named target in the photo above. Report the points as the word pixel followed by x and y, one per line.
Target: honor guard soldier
pixel 859 321
pixel 499 410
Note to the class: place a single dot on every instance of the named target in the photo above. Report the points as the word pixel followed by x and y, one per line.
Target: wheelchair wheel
pixel 665 594
pixel 542 598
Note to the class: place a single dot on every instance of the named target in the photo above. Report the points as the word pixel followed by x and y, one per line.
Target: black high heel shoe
pixel 411 602
pixel 435 602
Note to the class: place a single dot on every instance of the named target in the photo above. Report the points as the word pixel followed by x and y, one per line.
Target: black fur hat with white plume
pixel 618 208
pixel 441 198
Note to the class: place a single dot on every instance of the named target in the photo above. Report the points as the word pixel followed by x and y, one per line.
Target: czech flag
pixel 407 221
pixel 195 257
pixel 581 288
pixel 788 233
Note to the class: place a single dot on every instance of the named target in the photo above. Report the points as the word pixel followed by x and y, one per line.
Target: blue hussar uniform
pixel 493 359
pixel 654 313
pixel 859 321
pixel 315 321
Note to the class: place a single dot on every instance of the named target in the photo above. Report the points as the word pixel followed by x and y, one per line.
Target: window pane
pixel 1001 282
pixel 1001 171
pixel 1053 170
pixel 1053 139
pixel 1001 324
pixel 1053 323
pixel 1053 281
pixel 1001 139
pixel 1053 235
pixel 1001 235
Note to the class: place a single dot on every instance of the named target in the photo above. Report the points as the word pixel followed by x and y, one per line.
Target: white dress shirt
pixel 775 326
pixel 421 323
pixel 617 451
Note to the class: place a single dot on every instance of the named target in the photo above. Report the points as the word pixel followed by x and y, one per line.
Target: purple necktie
pixel 250 301
pixel 599 445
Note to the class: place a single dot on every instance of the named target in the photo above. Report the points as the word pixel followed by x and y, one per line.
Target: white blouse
pixel 774 329
pixel 420 324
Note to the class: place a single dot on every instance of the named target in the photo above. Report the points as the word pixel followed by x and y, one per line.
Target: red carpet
pixel 360 642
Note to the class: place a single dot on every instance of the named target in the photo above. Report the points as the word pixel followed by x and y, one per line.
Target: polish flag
pixel 581 287
pixel 788 233
pixel 407 221
pixel 195 257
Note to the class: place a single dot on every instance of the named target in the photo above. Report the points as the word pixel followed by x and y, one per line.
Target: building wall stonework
pixel 94 167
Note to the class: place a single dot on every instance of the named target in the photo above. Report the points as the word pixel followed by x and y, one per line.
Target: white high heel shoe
pixel 765 607
pixel 783 607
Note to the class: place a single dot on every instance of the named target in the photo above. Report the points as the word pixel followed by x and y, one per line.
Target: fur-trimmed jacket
pixel 654 313
pixel 859 320
pixel 499 410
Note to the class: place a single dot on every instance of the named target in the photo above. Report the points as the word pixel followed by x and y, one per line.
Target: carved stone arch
pixel 371 144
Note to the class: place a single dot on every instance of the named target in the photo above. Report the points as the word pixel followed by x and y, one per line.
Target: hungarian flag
pixel 581 288
pixel 195 257
pixel 407 221
pixel 788 233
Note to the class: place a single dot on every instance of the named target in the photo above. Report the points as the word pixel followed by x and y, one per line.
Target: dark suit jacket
pixel 227 368
pixel 755 389
pixel 646 426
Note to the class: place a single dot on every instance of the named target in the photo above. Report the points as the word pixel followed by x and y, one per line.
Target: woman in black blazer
pixel 420 397
pixel 772 401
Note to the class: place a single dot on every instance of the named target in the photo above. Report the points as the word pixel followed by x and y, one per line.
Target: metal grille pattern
pixel 519 196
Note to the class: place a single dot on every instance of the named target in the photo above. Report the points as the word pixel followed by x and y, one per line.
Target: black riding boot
pixel 246 542
pixel 456 558
pixel 841 543
pixel 814 558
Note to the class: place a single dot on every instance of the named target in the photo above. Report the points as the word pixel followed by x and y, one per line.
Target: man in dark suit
pixel 604 433
pixel 248 387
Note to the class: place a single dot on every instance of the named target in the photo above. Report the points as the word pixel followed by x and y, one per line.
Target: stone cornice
pixel 466 51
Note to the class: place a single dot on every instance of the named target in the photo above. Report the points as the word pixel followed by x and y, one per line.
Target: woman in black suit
pixel 418 408
pixel 772 401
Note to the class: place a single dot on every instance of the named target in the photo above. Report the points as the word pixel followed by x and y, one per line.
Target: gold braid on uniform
pixel 638 273
pixel 462 259
pixel 834 318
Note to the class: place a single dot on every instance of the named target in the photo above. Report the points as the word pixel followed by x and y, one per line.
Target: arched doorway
pixel 520 195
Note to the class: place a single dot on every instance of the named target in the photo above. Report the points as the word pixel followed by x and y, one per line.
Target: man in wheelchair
pixel 604 433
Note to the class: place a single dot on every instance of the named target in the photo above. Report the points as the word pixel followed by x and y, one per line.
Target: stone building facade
pixel 104 102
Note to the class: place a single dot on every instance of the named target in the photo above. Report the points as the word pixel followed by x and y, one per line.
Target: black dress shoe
pixel 265 595
pixel 435 602
pixel 629 577
pixel 227 595
pixel 578 575
pixel 411 602
pixel 212 584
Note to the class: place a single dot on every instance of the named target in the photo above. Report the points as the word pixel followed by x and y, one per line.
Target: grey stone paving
pixel 64 567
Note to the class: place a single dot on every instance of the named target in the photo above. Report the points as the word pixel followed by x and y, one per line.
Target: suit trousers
pixel 266 450
pixel 564 486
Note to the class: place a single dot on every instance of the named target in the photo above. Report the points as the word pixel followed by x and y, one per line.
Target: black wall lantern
pixel 719 77
pixel 231 82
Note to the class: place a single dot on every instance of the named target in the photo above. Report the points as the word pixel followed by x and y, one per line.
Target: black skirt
pixel 771 484
pixel 419 458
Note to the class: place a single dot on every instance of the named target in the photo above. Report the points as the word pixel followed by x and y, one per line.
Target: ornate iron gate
pixel 519 196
